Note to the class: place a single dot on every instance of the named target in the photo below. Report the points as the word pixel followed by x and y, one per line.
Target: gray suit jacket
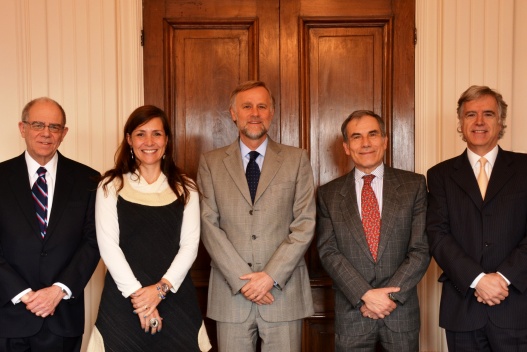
pixel 402 256
pixel 272 235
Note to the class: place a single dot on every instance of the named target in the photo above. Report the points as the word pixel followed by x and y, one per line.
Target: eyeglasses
pixel 39 126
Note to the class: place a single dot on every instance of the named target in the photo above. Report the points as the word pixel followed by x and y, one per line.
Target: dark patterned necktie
pixel 371 218
pixel 40 196
pixel 252 173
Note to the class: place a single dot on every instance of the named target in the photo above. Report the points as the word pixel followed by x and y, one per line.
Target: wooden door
pixel 322 60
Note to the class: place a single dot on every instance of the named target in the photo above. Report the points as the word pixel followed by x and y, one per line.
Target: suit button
pixel 251 212
pixel 487 244
pixel 253 237
pixel 250 264
pixel 43 254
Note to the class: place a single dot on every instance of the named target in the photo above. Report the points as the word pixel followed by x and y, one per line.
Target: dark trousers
pixel 43 341
pixel 488 339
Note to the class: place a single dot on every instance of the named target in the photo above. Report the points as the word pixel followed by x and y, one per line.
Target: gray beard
pixel 254 136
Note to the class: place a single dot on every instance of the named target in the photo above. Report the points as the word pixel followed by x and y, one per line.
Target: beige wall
pixel 86 55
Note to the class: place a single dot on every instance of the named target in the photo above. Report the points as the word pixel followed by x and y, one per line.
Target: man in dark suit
pixel 48 248
pixel 372 242
pixel 259 284
pixel 477 227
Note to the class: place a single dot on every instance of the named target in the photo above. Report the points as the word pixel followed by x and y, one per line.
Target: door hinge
pixel 415 36
pixel 142 37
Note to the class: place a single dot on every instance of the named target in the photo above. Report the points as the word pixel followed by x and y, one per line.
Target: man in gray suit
pixel 259 284
pixel 372 242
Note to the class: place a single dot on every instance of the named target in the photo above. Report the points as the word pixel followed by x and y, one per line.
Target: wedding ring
pixel 154 323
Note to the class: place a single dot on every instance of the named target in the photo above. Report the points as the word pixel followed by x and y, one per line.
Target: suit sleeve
pixel 301 230
pixel 456 264
pixel 85 259
pixel 412 269
pixel 218 245
pixel 349 281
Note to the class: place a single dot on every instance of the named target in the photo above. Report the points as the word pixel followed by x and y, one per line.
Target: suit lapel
pixel 63 187
pixel 234 166
pixel 390 203
pixel 350 207
pixel 502 171
pixel 19 182
pixel 464 176
pixel 272 163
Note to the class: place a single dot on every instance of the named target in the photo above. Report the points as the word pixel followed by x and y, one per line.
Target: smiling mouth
pixel 149 151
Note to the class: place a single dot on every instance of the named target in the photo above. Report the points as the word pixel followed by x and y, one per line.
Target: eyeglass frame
pixel 40 126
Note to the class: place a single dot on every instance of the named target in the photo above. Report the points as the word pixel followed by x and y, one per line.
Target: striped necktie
pixel 40 196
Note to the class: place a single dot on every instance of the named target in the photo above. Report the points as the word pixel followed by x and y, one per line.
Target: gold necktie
pixel 483 180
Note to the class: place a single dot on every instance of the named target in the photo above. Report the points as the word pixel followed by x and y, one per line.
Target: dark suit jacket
pixel 469 236
pixel 68 254
pixel 403 255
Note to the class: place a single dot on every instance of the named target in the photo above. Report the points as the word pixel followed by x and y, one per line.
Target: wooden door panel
pixel 344 73
pixel 222 58
pixel 322 59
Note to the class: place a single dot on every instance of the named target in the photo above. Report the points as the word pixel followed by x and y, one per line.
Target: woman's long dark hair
pixel 125 163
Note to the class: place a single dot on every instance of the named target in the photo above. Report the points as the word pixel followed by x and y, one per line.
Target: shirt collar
pixel 491 156
pixel 261 149
pixel 32 165
pixel 378 173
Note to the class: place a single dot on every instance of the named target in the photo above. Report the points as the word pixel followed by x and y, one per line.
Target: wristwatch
pixel 164 287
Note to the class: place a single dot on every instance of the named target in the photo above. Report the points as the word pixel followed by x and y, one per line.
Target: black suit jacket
pixel 68 254
pixel 469 235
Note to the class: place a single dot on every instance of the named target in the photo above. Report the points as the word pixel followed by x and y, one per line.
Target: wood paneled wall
pixel 86 54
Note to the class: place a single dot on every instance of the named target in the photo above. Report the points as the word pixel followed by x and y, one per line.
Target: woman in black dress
pixel 148 225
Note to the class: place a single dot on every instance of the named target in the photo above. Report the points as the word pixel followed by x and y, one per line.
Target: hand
pixel 258 288
pixel 366 313
pixel 24 299
pixel 145 322
pixel 145 300
pixel 44 301
pixel 377 303
pixel 491 289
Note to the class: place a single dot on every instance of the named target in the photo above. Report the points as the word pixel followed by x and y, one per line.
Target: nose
pixel 365 142
pixel 480 119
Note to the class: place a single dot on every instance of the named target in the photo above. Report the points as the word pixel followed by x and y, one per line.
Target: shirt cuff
pixel 65 289
pixel 504 278
pixel 16 299
pixel 476 280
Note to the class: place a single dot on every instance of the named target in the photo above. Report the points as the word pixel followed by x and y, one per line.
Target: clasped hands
pixel 258 288
pixel 377 303
pixel 43 302
pixel 491 289
pixel 145 301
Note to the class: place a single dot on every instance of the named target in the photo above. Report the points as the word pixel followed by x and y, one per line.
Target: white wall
pixel 461 43
pixel 86 55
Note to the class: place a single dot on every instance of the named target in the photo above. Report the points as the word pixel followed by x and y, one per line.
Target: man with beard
pixel 256 226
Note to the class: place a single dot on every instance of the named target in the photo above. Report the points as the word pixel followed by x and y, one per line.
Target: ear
pixel 346 148
pixel 64 133
pixel 129 139
pixel 233 115
pixel 22 128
